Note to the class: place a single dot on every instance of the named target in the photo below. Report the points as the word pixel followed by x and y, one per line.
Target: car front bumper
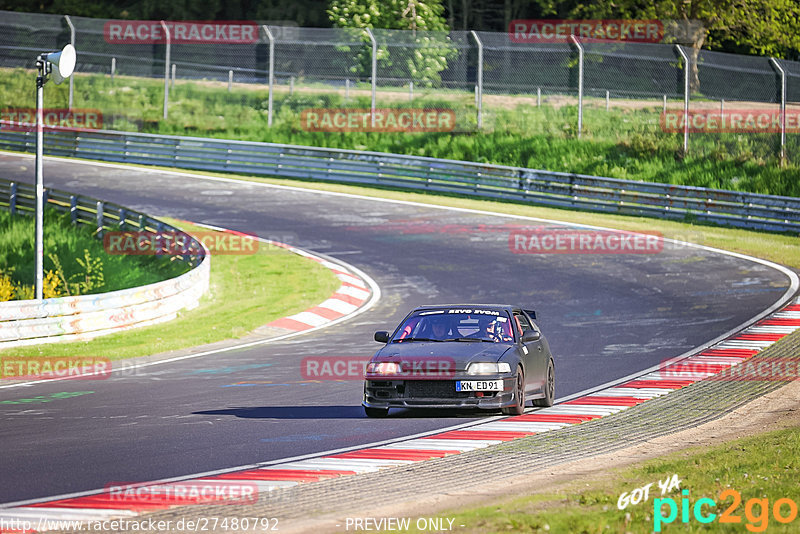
pixel 435 394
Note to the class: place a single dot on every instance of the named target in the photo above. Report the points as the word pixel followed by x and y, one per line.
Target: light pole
pixel 64 63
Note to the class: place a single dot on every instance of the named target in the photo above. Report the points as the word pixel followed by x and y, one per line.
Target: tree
pixel 428 44
pixel 765 27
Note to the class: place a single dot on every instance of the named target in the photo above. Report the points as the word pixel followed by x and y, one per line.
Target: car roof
pixel 508 307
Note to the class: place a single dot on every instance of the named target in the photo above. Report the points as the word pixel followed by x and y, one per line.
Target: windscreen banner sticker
pixel 475 312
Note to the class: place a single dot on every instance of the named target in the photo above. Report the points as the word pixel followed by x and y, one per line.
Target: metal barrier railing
pixel 558 189
pixel 25 322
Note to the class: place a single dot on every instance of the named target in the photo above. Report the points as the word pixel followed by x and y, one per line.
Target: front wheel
pixel 549 388
pixel 519 396
pixel 376 412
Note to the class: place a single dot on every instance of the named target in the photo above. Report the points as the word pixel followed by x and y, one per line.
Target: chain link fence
pixel 625 90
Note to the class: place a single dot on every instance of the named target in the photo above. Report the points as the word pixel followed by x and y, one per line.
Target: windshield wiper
pixel 415 339
pixel 481 339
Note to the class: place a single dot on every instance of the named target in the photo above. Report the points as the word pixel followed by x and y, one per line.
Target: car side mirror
pixel 382 336
pixel 531 335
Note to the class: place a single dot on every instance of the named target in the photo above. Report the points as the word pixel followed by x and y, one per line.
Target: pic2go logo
pixel 756 511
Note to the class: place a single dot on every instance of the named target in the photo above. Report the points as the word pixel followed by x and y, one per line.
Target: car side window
pixel 522 321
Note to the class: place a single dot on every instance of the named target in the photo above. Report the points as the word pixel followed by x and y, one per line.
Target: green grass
pixel 68 243
pixel 621 143
pixel 760 467
pixel 246 291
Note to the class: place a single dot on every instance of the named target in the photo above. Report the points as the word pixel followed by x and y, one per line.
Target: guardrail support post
pixel 72 41
pixel 73 209
pixel 579 46
pixel 100 219
pixel 12 198
pixel 374 74
pixel 166 68
pixel 686 68
pixel 479 86
pixel 782 107
pixel 271 71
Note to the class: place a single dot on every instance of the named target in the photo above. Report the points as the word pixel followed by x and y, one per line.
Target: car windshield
pixel 462 325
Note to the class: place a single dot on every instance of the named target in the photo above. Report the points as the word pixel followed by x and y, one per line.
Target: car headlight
pixel 487 368
pixel 383 368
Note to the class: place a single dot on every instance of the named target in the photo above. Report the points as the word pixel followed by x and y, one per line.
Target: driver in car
pixel 440 328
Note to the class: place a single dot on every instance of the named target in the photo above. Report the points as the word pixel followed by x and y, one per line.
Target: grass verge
pixel 625 142
pixel 245 292
pixel 760 469
pixel 85 266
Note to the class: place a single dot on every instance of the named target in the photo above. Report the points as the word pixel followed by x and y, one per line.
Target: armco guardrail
pixel 28 322
pixel 746 210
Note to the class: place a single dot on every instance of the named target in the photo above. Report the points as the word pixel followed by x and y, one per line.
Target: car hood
pixel 461 352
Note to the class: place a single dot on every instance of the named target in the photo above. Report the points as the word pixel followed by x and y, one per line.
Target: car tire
pixel 376 412
pixel 549 388
pixel 519 395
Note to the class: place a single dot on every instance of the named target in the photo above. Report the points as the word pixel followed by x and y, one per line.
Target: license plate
pixel 479 385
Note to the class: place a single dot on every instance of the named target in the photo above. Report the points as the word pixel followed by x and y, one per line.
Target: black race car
pixel 485 356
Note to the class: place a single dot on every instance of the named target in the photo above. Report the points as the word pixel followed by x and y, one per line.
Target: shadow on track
pixel 334 412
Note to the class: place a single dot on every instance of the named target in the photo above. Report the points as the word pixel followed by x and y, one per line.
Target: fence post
pixel 607 97
pixel 230 80
pixel 172 83
pixel 686 68
pixel 346 89
pixel 782 107
pixel 374 74
pixel 166 68
pixel 479 87
pixel 113 68
pixel 271 70
pixel 579 46
pixel 411 90
pixel 538 97
pixel 72 41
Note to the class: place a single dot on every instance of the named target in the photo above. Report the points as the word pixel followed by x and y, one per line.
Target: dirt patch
pixel 777 410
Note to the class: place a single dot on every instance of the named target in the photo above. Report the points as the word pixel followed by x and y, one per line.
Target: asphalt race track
pixel 606 316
